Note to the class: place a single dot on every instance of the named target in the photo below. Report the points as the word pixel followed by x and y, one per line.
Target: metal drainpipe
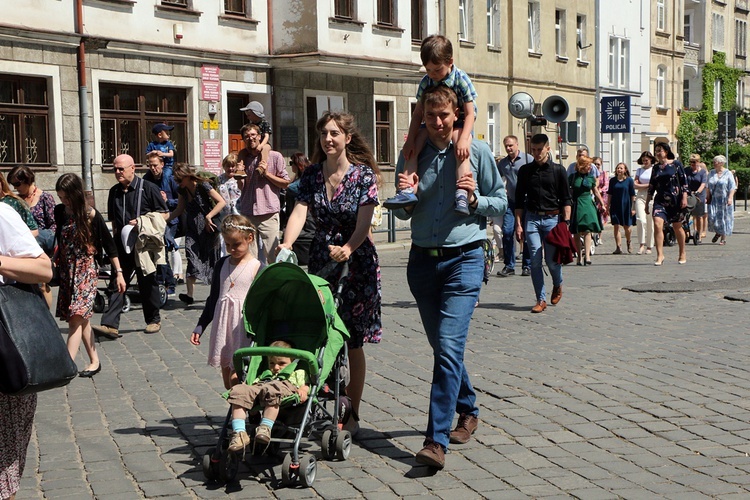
pixel 271 74
pixel 83 106
pixel 597 82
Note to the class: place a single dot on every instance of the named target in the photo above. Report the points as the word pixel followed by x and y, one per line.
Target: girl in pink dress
pixel 231 281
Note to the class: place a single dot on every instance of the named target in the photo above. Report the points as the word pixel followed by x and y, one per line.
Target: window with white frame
pixel 661 15
pixel 686 94
pixel 717 32
pixel 581 125
pixel 535 35
pixel 383 132
pixel 492 136
pixel 581 37
pixel 661 87
pixel 741 94
pixel 717 95
pixel 740 38
pixel 493 23
pixel 464 20
pixel 560 38
pixel 618 149
pixel 619 62
pixel 687 28
pixel 386 12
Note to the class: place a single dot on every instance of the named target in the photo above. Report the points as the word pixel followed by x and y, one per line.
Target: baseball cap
pixel 161 126
pixel 256 108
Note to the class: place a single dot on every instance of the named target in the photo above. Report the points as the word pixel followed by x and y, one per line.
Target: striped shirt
pixel 458 81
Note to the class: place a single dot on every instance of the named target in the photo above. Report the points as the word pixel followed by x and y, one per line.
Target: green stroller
pixel 286 303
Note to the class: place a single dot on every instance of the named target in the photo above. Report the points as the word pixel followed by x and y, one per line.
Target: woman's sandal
pixel 723 242
pixel 715 238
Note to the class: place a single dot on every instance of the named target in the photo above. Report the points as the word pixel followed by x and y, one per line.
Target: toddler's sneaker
pixel 403 198
pixel 239 441
pixel 262 437
pixel 462 203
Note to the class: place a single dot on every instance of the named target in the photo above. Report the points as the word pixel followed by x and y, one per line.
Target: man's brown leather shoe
pixel 106 331
pixel 539 307
pixel 432 455
pixel 465 427
pixel 556 294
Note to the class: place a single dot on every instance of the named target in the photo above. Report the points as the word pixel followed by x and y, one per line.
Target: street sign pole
pixel 726 138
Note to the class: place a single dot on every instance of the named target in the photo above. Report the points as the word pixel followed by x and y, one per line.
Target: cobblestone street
pixel 635 386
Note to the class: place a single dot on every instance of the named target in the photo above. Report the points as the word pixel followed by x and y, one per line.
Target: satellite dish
pixel 521 105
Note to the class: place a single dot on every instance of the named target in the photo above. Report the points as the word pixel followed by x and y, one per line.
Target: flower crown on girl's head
pixel 239 227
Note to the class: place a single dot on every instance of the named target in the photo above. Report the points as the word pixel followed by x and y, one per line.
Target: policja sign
pixel 615 114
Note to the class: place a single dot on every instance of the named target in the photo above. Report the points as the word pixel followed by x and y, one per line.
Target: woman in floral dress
pixel 81 234
pixel 720 200
pixel 341 190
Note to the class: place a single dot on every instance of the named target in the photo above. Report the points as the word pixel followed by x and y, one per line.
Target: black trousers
pixel 147 287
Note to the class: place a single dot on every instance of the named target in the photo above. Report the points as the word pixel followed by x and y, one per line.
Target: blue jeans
pixel 537 228
pixel 509 239
pixel 446 290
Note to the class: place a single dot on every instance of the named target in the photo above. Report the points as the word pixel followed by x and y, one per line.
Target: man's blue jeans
pixel 446 290
pixel 537 228
pixel 509 239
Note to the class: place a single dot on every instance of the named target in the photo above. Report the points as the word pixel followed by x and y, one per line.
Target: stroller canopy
pixel 286 303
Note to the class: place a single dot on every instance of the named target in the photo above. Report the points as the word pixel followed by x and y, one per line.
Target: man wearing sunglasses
pixel 130 198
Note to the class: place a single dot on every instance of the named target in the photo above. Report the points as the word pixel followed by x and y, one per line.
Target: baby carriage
pixel 100 301
pixel 285 303
pixel 670 238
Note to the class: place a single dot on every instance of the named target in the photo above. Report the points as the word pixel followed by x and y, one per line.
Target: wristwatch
pixel 118 270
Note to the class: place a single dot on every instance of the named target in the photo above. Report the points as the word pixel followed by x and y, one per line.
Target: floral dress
pixel 720 215
pixel 201 247
pixel 665 187
pixel 335 222
pixel 77 276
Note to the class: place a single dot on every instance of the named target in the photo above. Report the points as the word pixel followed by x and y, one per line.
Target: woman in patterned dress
pixel 81 235
pixel 720 200
pixel 22 260
pixel 202 245
pixel 341 190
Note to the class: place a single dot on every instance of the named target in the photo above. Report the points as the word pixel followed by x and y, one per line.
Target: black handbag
pixel 33 355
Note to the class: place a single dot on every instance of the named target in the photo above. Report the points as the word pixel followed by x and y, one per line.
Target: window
pixel 619 62
pixel 129 112
pixel 417 21
pixel 463 19
pixel 24 120
pixel 316 106
pixel 560 33
pixel 493 23
pixel 383 134
pixel 492 138
pixel 686 94
pixel 741 94
pixel 581 37
pixel 661 15
pixel 386 14
pixel 688 28
pixel 618 148
pixel 717 95
pixel 740 38
pixel 581 125
pixel 717 32
pixel 237 7
pixel 176 3
pixel 661 87
pixel 343 9
pixel 535 40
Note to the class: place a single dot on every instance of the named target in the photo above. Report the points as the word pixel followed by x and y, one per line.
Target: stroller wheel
pixel 99 303
pixel 163 297
pixel 228 467
pixel 210 469
pixel 328 444
pixel 308 469
pixel 343 445
pixel 287 477
pixel 125 303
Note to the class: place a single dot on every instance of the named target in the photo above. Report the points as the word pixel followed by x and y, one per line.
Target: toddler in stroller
pixel 285 303
pixel 279 381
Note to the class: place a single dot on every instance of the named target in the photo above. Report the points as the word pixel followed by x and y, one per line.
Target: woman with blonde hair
pixel 584 219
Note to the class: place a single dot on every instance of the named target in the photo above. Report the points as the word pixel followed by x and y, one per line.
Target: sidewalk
pixel 635 386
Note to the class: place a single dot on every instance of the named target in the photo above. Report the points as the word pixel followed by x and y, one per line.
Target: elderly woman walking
pixel 720 200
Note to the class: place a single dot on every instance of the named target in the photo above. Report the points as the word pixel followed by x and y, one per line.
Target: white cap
pixel 256 108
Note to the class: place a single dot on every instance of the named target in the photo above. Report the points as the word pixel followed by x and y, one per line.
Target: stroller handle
pixel 248 352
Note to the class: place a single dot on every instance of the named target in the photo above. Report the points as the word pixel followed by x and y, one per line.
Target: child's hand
pixel 408 149
pixel 195 338
pixel 462 149
pixel 160 153
pixel 303 392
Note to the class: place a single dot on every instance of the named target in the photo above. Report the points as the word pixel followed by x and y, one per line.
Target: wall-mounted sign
pixel 615 114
